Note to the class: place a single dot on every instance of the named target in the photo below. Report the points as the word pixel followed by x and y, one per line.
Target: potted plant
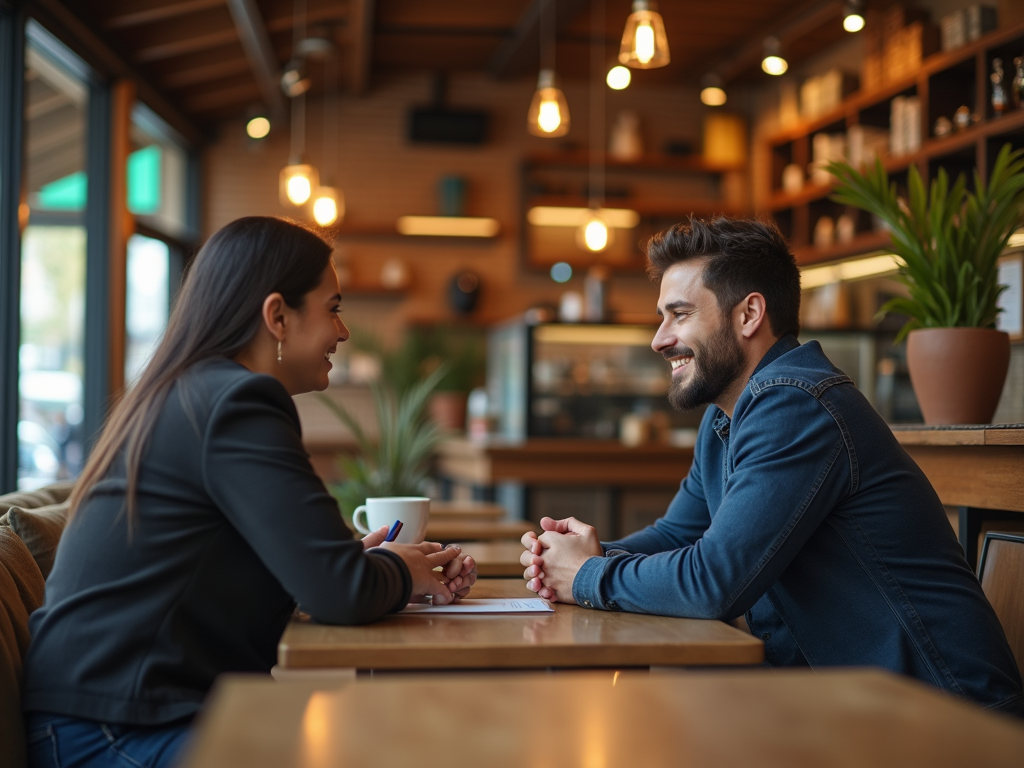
pixel 397 462
pixel 949 241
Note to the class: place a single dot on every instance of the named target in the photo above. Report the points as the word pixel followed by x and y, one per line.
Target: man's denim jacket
pixel 804 514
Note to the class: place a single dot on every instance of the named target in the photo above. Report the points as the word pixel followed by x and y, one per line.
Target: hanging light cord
pixel 331 99
pixel 597 128
pixel 298 102
pixel 547 35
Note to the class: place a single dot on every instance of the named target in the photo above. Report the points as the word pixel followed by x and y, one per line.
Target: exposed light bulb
pixel 595 234
pixel 258 128
pixel 618 78
pixel 550 116
pixel 297 184
pixel 774 65
pixel 549 111
pixel 853 22
pixel 328 206
pixel 644 42
pixel 713 96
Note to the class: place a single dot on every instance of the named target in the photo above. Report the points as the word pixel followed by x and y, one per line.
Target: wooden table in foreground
pixel 772 719
pixel 979 469
pixel 496 558
pixel 569 637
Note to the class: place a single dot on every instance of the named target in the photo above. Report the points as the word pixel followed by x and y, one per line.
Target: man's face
pixel 695 338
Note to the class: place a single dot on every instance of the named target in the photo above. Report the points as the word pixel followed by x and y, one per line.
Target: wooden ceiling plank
pixel 260 53
pixel 183 46
pixel 160 13
pixel 338 12
pixel 182 78
pixel 521 50
pixel 239 94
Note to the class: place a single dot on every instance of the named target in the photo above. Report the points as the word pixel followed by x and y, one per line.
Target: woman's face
pixel 313 334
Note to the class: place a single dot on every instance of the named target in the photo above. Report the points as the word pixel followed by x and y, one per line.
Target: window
pixel 148 301
pixel 50 439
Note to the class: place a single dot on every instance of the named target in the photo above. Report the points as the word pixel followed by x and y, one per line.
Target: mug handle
pixel 364 528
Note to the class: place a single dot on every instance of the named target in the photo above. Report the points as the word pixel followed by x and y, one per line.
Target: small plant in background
pixel 949 240
pixel 398 461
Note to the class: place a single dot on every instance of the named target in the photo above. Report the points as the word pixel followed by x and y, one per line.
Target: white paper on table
pixel 485 605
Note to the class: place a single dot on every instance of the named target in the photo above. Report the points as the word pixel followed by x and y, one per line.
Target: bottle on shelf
pixel 998 78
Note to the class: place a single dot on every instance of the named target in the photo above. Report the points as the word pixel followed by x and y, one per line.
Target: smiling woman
pixel 227 525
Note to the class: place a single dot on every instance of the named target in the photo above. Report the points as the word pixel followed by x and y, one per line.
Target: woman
pixel 198 522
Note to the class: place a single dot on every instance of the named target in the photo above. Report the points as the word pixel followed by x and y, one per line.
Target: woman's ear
pixel 274 315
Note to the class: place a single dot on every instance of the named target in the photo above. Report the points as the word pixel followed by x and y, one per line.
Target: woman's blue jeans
pixel 56 741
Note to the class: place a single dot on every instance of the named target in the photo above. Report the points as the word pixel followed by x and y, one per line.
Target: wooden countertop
pixel 560 461
pixel 772 719
pixel 981 434
pixel 570 637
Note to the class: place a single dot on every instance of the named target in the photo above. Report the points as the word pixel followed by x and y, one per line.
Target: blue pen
pixel 396 528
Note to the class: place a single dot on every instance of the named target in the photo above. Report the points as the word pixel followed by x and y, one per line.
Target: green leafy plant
pixel 397 462
pixel 949 239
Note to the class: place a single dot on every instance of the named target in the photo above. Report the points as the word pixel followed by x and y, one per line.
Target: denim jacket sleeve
pixel 788 467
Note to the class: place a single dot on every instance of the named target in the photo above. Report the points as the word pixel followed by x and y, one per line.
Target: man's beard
pixel 716 365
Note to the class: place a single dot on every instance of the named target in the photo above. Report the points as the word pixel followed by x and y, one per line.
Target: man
pixel 801 512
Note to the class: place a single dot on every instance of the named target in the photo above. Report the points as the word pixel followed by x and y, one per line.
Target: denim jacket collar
pixel 785 344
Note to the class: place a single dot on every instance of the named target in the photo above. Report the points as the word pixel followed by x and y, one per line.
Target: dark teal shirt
pixel 231 528
pixel 803 513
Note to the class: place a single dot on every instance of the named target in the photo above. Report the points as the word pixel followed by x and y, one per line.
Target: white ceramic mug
pixel 413 511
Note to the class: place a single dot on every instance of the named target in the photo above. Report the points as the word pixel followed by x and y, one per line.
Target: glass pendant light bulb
pixel 773 63
pixel 328 206
pixel 297 182
pixel 853 22
pixel 618 78
pixel 594 235
pixel 258 127
pixel 549 111
pixel 644 43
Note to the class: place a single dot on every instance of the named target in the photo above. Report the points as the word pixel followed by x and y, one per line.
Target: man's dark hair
pixel 740 256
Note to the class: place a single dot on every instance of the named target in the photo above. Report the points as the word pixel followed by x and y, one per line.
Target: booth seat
pixel 31 524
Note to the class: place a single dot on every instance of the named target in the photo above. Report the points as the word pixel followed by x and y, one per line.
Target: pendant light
pixel 328 206
pixel 853 16
pixel 594 235
pixel 644 43
pixel 298 179
pixel 548 115
pixel 773 63
pixel 711 91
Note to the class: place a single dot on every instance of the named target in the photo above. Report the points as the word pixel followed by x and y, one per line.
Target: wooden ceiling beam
pixel 260 53
pixel 237 94
pixel 520 52
pixel 160 13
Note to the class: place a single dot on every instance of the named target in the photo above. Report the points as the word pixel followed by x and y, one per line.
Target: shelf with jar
pixel 955 112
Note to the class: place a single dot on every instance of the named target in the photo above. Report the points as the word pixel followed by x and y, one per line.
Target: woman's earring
pixel 279 350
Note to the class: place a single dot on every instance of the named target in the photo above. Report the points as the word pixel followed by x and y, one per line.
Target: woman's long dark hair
pixel 217 314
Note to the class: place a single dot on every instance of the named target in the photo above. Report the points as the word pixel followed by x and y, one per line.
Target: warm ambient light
pixel 713 96
pixel 872 266
pixel 328 206
pixel 297 183
pixel 774 65
pixel 448 226
pixel 618 78
pixel 555 216
pixel 549 111
pixel 853 23
pixel 595 234
pixel 258 128
pixel 644 43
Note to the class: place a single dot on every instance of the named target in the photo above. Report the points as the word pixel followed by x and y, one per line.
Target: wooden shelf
pixel 665 163
pixel 861 244
pixel 647 208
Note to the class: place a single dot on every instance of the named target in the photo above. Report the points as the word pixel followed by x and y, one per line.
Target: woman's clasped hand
pixel 450 584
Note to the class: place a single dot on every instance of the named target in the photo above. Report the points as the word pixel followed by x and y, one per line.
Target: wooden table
pixel 570 637
pixel 771 719
pixel 496 558
pixel 448 530
pixel 978 469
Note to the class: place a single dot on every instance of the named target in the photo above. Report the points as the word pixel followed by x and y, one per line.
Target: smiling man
pixel 800 512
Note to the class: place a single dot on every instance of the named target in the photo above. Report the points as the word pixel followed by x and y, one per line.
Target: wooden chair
pixel 1002 577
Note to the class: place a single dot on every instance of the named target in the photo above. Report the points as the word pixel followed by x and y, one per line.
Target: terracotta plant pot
pixel 448 410
pixel 958 373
